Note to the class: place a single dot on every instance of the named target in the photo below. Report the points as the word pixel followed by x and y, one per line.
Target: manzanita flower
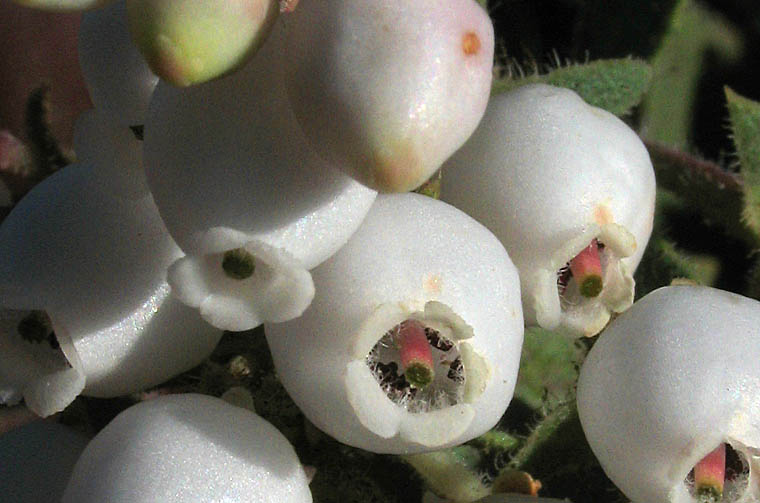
pixel 37 460
pixel 388 89
pixel 188 448
pixel 85 299
pixel 412 342
pixel 245 196
pixel 117 76
pixel 569 189
pixel 191 41
pixel 668 397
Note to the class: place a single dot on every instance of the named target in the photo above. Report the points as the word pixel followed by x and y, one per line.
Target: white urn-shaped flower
pixel 84 299
pixel 413 340
pixel 387 90
pixel 188 448
pixel 244 195
pixel 668 397
pixel 569 189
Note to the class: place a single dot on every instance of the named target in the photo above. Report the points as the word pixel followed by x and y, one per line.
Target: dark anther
pixel 238 264
pixel 34 327
pixel 455 371
pixel 435 340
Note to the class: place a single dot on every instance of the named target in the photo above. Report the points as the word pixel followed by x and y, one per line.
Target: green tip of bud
pixel 238 264
pixel 591 286
pixel 187 42
pixel 419 375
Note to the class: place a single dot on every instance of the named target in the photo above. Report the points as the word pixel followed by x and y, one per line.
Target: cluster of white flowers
pixel 395 321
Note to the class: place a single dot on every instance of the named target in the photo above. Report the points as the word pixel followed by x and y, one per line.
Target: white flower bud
pixel 389 89
pixel 117 76
pixel 94 267
pixel 188 448
pixel 670 380
pixel 549 175
pixel 414 261
pixel 237 185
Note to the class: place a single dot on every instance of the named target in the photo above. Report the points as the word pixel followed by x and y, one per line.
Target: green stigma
pixel 238 264
pixel 709 494
pixel 419 375
pixel 591 286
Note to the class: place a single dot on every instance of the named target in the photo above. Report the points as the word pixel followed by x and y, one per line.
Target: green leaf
pixel 663 261
pixel 616 85
pixel 745 124
pixel 667 110
pixel 704 185
pixel 548 369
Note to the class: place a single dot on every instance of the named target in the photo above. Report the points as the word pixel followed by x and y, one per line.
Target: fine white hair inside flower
pixel 421 371
pixel 587 281
pixel 417 367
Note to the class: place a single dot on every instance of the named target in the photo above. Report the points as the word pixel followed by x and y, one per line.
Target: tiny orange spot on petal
pixel 603 215
pixel 433 284
pixel 470 43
